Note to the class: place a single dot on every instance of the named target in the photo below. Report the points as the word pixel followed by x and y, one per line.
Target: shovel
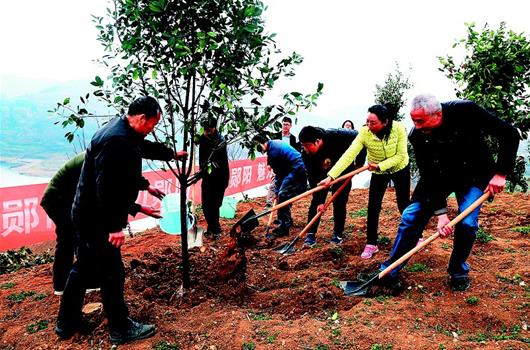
pixel 251 221
pixel 360 288
pixel 288 248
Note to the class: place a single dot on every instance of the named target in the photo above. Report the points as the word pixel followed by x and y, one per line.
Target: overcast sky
pixel 348 45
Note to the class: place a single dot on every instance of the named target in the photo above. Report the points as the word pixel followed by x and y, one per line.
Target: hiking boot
pixel 310 240
pixel 369 251
pixel 136 331
pixel 336 240
pixel 82 327
pixel 460 284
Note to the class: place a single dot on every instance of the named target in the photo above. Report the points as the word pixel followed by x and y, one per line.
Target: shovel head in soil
pixel 358 288
pixel 195 237
pixel 247 223
pixel 242 229
pixel 287 248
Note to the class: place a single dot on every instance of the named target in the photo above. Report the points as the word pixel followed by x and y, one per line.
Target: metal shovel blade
pixel 195 237
pixel 358 288
pixel 287 248
pixel 248 221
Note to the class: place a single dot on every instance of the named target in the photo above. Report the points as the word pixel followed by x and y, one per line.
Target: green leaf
pixel 66 101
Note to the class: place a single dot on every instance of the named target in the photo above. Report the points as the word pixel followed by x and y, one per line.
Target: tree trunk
pixel 184 233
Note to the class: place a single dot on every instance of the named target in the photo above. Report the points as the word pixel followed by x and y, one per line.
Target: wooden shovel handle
pixel 326 205
pixel 420 246
pixel 318 188
pixel 271 215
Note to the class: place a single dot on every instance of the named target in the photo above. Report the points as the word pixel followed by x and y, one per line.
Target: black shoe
pixel 460 284
pixel 66 332
pixel 136 331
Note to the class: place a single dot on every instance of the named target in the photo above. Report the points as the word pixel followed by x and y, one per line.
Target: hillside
pixel 293 302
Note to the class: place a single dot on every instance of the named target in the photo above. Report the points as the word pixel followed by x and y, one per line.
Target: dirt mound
pixel 264 300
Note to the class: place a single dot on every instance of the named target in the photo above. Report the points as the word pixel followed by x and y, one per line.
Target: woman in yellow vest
pixel 386 143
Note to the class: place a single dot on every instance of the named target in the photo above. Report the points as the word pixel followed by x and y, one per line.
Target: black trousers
pixel 378 185
pixel 64 242
pixel 339 208
pixel 212 193
pixel 98 255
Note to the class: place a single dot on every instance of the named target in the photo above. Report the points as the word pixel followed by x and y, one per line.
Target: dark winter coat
pixel 455 156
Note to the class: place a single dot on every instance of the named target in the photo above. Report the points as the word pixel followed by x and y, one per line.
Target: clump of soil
pixel 252 297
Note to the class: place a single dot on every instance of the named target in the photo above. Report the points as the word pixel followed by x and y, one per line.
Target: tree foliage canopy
pixel 495 72
pixel 391 92
pixel 201 59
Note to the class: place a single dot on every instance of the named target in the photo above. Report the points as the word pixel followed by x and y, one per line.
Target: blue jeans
pixel 289 188
pixel 413 222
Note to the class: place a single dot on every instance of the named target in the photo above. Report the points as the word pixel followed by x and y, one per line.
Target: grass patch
pixel 249 346
pixel 338 252
pixel 164 345
pixel 335 282
pixel 37 326
pixel 511 280
pixel 418 267
pixel 384 241
pixel 484 236
pixel 8 285
pixel 321 346
pixel 14 260
pixel 361 213
pixel 260 317
pixel 521 229
pixel 472 300
pixel 19 297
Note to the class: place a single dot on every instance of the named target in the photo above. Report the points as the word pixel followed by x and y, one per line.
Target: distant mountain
pixel 27 130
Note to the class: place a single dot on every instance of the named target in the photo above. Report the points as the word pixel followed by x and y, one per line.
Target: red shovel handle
pixel 326 205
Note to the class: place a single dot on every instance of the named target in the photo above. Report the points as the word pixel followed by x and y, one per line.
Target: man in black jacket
pixel 213 160
pixel 110 179
pixel 452 156
pixel 321 150
pixel 285 135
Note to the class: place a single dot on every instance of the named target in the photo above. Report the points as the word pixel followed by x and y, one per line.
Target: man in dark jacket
pixel 286 136
pixel 57 201
pixel 452 156
pixel 290 179
pixel 108 187
pixel 321 150
pixel 213 160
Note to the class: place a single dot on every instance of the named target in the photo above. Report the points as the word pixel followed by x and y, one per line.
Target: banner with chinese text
pixel 24 222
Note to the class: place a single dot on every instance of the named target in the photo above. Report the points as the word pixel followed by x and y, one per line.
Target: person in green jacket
pixel 386 143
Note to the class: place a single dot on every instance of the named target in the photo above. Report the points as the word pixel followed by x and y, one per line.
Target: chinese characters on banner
pixel 24 222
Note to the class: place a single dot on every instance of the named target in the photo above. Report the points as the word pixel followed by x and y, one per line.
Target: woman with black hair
pixel 386 143
pixel 347 124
